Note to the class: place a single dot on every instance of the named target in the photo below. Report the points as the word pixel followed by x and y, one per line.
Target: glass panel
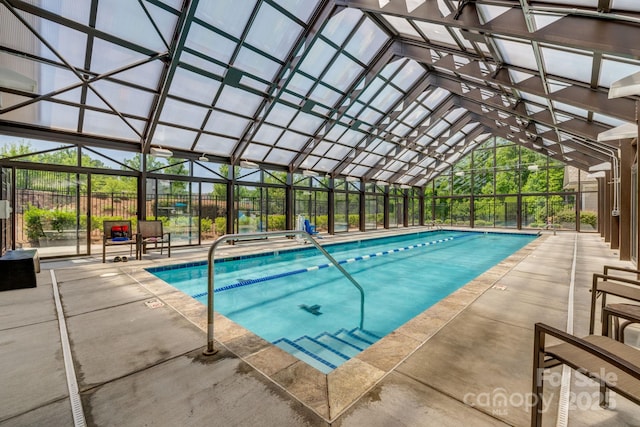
pixel 238 101
pixel 268 134
pixel 256 64
pixel 300 84
pixel 181 113
pixel 612 71
pixel 366 42
pixel 341 73
pixel 317 58
pixel 280 157
pixel 568 64
pixel 128 21
pixel 409 74
pixel 293 141
pixel 111 126
pixel 230 16
pixel 273 32
pixel 51 213
pixel 460 212
pixel 281 115
pixel 215 145
pixel 168 136
pixel 307 123
pixel 123 98
pixel 302 9
pixel 189 85
pixel 402 26
pixel 484 212
pixel 515 53
pixel 340 25
pixel 226 124
pixel 211 44
pixel 436 33
pixel 386 98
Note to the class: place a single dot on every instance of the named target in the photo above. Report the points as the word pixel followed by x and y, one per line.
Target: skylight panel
pixel 338 151
pixel 195 87
pixel 371 90
pixel 370 115
pixel 317 58
pixel 570 109
pixel 466 43
pixel 612 70
pixel 436 98
pixel 215 145
pixel 586 3
pixel 273 32
pixel 226 124
pixel 256 64
pixel 568 64
pixel 230 16
pixel 281 115
pixel 386 98
pixel 169 136
pixel 183 114
pixel 416 116
pixel 268 134
pixel 342 73
pixel 325 95
pixel 340 25
pixel 292 141
pixel 113 126
pixel 255 152
pixel 402 26
pixel 436 33
pixel 238 101
pixel 516 53
pixel 629 5
pixel 325 165
pixel 124 99
pixel 302 9
pixel 608 120
pixel 128 20
pixel 367 41
pixel 196 61
pixel 211 44
pixel 438 129
pixel 307 123
pixel 300 84
pixel 280 157
pixel 409 74
pixel 454 115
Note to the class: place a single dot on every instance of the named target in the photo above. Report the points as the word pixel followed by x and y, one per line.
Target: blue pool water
pixel 296 301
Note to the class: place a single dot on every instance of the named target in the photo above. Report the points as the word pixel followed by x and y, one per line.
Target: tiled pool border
pixel 331 394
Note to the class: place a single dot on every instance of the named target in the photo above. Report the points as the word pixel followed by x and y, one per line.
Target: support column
pixel 331 211
pixel 627 154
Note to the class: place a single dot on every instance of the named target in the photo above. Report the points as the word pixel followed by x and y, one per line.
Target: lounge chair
pixel 612 364
pixel 118 233
pixel 151 232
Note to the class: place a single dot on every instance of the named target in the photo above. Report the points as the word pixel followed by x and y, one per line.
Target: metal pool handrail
pixel 249 236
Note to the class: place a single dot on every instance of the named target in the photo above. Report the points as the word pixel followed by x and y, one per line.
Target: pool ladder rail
pixel 210 350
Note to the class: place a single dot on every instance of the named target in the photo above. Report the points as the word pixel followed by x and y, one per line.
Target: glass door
pixel 51 212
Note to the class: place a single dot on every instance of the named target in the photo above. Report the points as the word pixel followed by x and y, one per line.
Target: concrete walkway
pixel 139 362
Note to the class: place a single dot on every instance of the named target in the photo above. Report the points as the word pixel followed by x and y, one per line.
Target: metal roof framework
pixel 384 90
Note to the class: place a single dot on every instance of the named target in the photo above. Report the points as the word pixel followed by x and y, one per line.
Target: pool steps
pixel 327 351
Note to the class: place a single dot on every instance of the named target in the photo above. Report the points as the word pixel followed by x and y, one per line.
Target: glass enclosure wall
pixel 501 184
pixel 63 193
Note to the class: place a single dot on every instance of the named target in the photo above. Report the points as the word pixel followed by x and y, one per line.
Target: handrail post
pixel 210 350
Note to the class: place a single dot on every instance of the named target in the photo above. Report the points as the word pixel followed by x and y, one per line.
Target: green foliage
pixel 206 225
pixel 33 218
pixel 590 218
pixel 276 222
pixel 221 225
pixel 61 220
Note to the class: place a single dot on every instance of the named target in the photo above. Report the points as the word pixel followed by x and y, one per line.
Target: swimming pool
pixel 296 301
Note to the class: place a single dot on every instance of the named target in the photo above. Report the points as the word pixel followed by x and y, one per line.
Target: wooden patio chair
pixel 151 232
pixel 612 364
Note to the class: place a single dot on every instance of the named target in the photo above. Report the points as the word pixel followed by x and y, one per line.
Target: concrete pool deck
pixel 136 347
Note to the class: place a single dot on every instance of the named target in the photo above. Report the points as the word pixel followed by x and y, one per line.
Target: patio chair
pixel 151 232
pixel 311 229
pixel 614 365
pixel 117 233
pixel 603 285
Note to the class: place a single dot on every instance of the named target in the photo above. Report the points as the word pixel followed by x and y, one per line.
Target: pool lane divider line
pixel 321 266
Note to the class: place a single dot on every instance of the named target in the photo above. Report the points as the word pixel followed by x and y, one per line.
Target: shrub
pixel 587 217
pixel 277 222
pixel 206 225
pixel 62 220
pixel 221 225
pixel 33 218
